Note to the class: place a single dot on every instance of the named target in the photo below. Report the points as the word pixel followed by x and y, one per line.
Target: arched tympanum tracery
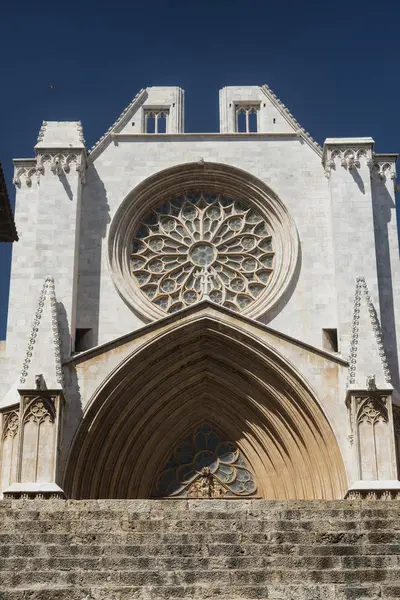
pixel 205 464
pixel 208 369
pixel 151 248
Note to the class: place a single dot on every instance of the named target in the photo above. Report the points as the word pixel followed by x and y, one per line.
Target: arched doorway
pixel 206 370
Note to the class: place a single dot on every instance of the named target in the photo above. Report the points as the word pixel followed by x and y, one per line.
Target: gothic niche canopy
pixel 206 465
pixel 200 245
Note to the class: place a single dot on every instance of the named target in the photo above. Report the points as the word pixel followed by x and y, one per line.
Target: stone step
pixel 120 550
pixel 190 550
pixel 263 540
pixel 193 592
pixel 149 527
pixel 226 509
pixel 133 563
pixel 208 577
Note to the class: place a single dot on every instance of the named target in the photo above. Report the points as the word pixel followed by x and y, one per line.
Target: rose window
pixel 200 245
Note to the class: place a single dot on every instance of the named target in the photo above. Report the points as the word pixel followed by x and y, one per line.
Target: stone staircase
pixel 134 549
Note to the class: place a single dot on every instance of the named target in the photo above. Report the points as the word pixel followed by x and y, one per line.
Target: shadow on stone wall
pixel 73 411
pixel 95 217
pixel 383 206
pixel 282 302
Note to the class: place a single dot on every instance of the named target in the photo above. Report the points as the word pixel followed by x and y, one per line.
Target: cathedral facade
pixel 202 315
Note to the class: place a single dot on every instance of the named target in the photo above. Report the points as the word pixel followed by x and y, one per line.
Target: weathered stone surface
pixel 104 550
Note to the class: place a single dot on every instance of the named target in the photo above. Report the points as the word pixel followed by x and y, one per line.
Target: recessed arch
pixel 202 370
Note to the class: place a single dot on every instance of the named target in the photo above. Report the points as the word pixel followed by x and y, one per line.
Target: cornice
pixel 24 170
pixel 291 120
pixel 60 160
pixel 213 135
pixel 105 139
pixel 383 166
pixel 349 152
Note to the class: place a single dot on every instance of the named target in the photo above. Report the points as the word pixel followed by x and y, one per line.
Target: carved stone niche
pixel 36 470
pixel 372 432
pixel 9 446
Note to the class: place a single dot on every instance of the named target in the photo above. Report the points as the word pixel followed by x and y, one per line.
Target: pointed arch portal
pixel 205 371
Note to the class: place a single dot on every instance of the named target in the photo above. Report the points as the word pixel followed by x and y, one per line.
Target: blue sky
pixel 335 65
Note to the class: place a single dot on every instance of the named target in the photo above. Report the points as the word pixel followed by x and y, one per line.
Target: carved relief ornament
pixel 372 409
pixel 39 411
pixel 347 157
pixel 59 163
pixel 11 424
pixel 382 168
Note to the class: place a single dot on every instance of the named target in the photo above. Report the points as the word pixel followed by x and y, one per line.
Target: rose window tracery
pixel 206 465
pixel 198 245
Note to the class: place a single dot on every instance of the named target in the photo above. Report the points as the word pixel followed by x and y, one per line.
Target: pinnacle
pixel 42 361
pixel 367 352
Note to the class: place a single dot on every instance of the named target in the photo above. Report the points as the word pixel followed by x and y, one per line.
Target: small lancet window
pixel 156 121
pixel 241 121
pixel 253 121
pixel 247 119
pixel 162 123
pixel 150 123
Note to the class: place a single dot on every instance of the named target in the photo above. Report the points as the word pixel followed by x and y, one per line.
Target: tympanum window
pixel 206 465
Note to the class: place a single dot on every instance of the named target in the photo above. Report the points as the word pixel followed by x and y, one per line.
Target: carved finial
pixel 201 162
pixel 371 383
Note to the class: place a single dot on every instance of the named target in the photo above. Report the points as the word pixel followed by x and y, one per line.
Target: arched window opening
pixel 253 120
pixel 162 123
pixel 156 121
pixel 205 465
pixel 247 118
pixel 241 121
pixel 150 122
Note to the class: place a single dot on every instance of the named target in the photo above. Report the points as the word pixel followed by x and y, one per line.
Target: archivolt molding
pixel 201 371
pixel 216 178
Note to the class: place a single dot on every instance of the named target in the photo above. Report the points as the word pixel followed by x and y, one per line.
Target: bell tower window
pixel 156 121
pixel 247 118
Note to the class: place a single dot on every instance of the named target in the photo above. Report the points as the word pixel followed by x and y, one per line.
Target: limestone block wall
pixel 292 170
